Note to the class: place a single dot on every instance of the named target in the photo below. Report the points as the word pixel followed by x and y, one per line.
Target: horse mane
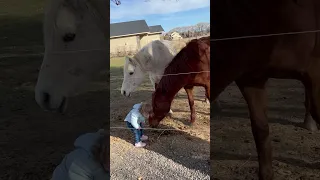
pixel 144 54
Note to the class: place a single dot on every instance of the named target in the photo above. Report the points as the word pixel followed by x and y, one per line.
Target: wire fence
pixel 153 129
pixel 116 77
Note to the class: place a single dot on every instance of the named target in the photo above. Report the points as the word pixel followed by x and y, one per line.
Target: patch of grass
pixel 21 26
pixel 21 8
pixel 117 62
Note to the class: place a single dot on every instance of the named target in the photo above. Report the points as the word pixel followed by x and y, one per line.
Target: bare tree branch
pixel 117 2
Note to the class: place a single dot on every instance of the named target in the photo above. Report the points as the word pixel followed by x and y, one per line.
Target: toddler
pixel 135 120
pixel 88 161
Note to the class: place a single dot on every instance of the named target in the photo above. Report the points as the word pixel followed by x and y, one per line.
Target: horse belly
pixel 293 53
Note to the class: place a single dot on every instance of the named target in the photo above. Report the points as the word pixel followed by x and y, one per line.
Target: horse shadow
pixel 184 96
pixel 184 111
pixel 178 146
pixel 241 111
pixel 217 155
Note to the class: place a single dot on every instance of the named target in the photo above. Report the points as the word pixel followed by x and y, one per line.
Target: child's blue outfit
pixel 80 163
pixel 134 121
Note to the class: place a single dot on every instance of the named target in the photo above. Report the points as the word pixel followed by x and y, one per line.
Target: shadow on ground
pixel 178 146
pixel 233 151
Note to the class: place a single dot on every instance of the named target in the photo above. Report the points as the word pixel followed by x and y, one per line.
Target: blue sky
pixel 167 13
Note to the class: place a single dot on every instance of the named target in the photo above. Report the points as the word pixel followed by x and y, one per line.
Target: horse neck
pixel 171 90
pixel 172 84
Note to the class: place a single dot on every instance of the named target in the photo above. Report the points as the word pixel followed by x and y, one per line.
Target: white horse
pixel 75 39
pixel 153 58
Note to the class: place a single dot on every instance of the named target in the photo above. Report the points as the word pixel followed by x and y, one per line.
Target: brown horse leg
pixel 309 122
pixel 189 91
pixel 207 88
pixel 206 100
pixel 255 96
pixel 314 93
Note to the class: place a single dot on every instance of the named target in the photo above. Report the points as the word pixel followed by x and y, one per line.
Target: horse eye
pixel 130 73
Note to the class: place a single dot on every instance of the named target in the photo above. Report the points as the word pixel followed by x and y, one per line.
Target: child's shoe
pixel 140 144
pixel 144 138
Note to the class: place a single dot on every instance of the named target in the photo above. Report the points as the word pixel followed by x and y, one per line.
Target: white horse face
pixel 75 49
pixel 133 77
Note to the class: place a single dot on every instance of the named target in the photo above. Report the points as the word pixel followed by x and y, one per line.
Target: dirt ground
pixel 296 151
pixel 189 147
pixel 32 141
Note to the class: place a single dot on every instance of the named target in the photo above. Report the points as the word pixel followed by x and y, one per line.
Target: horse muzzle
pixel 125 93
pixel 50 103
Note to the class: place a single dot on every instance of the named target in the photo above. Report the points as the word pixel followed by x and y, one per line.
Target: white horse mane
pixel 155 53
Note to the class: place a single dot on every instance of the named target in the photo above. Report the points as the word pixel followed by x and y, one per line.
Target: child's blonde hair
pixel 100 150
pixel 145 109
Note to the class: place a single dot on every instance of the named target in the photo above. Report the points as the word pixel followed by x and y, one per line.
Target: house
pixel 130 36
pixel 175 36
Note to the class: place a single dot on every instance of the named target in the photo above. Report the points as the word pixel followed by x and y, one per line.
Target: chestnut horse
pixel 180 73
pixel 252 60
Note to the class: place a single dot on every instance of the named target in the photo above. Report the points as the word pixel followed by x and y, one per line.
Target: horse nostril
pixel 46 98
pixel 69 37
pixel 124 92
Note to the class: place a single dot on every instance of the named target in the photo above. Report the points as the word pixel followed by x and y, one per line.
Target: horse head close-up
pixel 133 76
pixel 151 59
pixel 75 41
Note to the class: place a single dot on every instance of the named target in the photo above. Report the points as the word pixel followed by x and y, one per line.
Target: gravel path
pixel 128 162
pixel 168 155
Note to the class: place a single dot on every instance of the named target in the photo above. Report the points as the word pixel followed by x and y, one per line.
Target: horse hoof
pixel 190 123
pixel 206 101
pixel 310 127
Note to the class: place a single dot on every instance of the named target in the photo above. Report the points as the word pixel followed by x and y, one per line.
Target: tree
pixel 117 2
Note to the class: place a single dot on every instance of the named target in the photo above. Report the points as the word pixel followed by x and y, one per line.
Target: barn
pixel 132 35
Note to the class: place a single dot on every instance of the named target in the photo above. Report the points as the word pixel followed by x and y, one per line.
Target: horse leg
pixel 189 91
pixel 309 122
pixel 313 89
pixel 207 88
pixel 206 100
pixel 170 113
pixel 255 96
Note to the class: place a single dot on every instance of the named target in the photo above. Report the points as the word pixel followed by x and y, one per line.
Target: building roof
pixel 157 28
pixel 132 27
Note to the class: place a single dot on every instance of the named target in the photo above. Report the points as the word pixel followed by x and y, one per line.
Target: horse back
pixel 198 53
